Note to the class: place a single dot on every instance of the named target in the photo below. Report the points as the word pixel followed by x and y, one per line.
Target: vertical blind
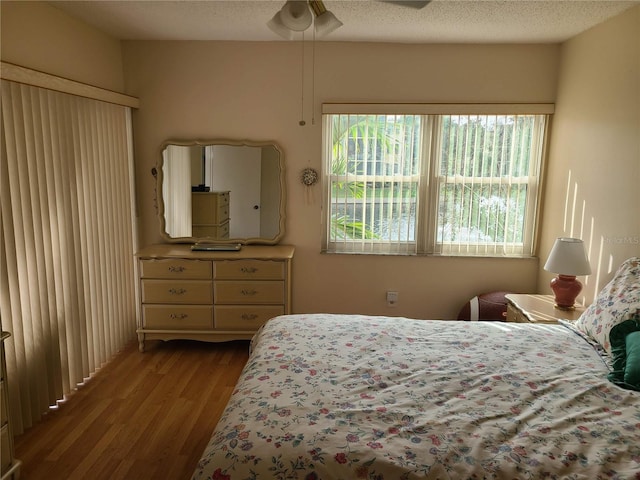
pixel 425 181
pixel 66 251
pixel 487 175
pixel 373 170
pixel 176 178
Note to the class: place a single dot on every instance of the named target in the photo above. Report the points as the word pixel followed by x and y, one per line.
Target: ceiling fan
pixel 298 15
pixel 417 4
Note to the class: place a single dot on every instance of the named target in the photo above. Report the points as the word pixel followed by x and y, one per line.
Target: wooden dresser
pixel 211 296
pixel 210 214
pixel 9 466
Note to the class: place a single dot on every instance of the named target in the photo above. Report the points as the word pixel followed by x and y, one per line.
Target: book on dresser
pixel 211 295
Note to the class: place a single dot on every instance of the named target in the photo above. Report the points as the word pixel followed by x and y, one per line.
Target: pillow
pixel 625 347
pixel 612 319
pixel 616 303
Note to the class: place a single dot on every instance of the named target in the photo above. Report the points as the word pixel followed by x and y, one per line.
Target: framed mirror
pixel 221 191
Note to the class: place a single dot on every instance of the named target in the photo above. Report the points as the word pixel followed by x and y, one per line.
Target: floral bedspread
pixel 352 396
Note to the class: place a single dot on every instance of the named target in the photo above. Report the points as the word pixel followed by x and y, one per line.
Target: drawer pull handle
pixel 248 292
pixel 178 316
pixel 249 316
pixel 178 269
pixel 177 291
pixel 248 269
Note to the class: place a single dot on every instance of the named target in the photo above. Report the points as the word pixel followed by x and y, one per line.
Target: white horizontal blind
pixel 373 182
pixel 486 172
pixel 67 245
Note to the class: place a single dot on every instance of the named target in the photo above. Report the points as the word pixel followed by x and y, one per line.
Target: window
pixel 427 182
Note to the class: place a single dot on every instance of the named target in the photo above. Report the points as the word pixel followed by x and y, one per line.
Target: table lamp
pixel 568 258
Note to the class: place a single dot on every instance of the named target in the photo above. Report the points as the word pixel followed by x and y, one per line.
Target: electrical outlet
pixel 392 299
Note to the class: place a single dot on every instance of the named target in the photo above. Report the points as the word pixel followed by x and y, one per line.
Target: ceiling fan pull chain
pixel 302 123
pixel 313 78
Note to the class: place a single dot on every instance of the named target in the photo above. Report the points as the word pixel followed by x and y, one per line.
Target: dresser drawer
pixel 209 207
pixel 175 268
pixel 234 292
pixel 249 269
pixel 222 213
pixel 216 231
pixel 513 316
pixel 194 317
pixel 223 198
pixel 178 292
pixel 244 317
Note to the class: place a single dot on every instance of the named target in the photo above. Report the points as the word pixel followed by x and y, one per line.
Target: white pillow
pixel 616 303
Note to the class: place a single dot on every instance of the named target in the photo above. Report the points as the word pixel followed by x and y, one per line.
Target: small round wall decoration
pixel 309 177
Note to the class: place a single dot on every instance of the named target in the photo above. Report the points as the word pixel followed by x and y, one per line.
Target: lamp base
pixel 561 307
pixel 566 288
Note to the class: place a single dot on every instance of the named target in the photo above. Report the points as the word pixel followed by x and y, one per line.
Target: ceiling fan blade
pixel 417 4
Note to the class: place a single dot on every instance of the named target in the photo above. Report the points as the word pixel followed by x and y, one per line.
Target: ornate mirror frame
pixel 158 173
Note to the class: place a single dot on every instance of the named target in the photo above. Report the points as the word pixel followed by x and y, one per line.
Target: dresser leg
pixel 141 342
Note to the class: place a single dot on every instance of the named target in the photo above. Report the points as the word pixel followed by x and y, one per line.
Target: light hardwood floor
pixel 142 416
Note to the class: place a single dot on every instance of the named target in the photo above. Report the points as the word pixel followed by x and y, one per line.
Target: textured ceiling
pixel 441 21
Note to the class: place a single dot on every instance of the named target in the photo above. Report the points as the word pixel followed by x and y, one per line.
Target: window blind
pixel 374 176
pixel 67 245
pixel 176 178
pixel 486 174
pixel 424 181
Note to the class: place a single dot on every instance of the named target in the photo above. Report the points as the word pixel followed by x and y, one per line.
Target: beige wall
pixel 593 182
pixel 41 37
pixel 253 90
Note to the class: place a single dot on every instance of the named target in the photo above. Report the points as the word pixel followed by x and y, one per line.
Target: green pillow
pixel 625 352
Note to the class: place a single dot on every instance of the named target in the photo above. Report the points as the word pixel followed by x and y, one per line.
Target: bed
pixel 327 396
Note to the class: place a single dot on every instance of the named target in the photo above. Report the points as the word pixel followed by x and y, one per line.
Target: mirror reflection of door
pixel 237 170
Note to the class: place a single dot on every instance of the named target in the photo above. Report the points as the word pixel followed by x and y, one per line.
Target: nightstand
pixel 523 308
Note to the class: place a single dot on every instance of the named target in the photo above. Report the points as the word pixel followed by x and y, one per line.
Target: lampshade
pixel 297 16
pixel 326 23
pixel 276 26
pixel 568 257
